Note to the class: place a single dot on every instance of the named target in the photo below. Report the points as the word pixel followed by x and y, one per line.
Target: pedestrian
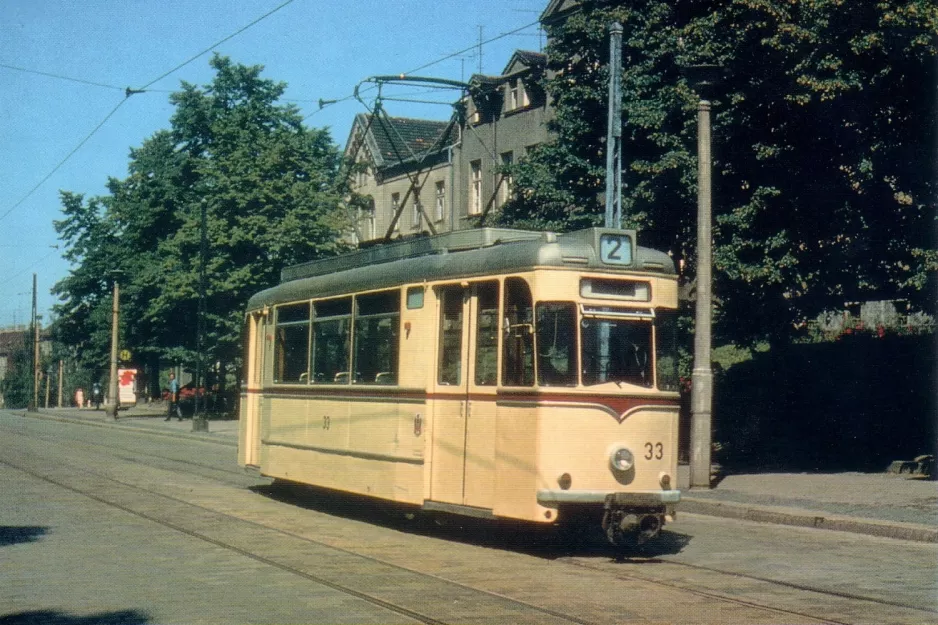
pixel 96 395
pixel 173 398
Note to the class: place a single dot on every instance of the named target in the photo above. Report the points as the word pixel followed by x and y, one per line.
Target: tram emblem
pixel 418 424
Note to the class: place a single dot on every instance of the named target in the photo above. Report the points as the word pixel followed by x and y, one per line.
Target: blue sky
pixel 321 48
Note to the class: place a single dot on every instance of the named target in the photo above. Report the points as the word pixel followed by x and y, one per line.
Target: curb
pixel 808 518
pixel 205 437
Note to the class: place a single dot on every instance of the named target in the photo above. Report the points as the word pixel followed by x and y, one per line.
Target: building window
pixel 440 207
pixel 395 205
pixel 475 191
pixel 505 183
pixel 416 216
pixel 514 97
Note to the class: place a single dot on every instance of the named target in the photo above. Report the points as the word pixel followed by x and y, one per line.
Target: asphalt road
pixel 103 525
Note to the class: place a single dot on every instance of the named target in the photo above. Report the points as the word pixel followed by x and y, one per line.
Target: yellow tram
pixel 493 373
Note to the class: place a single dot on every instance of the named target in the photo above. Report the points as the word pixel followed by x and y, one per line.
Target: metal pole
pixel 199 422
pixel 614 130
pixel 110 411
pixel 702 375
pixel 48 377
pixel 34 405
pixel 61 367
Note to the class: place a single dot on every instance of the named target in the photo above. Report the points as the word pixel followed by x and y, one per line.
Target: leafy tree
pixel 824 146
pixel 267 186
pixel 17 384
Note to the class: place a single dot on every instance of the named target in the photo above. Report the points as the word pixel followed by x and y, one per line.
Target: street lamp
pixel 703 79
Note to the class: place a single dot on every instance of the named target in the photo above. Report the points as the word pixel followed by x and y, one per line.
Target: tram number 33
pixel 654 450
pixel 326 422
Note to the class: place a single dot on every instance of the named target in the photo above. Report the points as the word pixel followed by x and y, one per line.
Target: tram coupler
pixel 626 525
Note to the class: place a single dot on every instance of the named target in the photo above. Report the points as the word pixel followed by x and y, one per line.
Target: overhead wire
pixel 60 77
pixel 64 160
pixel 17 275
pixel 73 79
pixel 432 63
pixel 127 93
pixel 218 43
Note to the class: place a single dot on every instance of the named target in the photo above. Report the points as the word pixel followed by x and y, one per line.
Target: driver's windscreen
pixel 616 350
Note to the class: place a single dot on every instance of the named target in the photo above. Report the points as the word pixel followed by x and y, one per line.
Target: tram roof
pixel 452 255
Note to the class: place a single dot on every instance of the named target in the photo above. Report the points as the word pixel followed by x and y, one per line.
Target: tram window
pixel 616 350
pixel 377 325
pixel 331 341
pixel 291 351
pixel 487 334
pixel 518 329
pixel 451 324
pixel 415 297
pixel 556 344
pixel 666 349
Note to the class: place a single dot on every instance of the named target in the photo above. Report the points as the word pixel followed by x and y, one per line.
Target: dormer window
pixel 517 95
pixel 514 95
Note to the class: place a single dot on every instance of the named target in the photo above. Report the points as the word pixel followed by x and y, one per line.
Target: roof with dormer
pixel 558 9
pixel 391 141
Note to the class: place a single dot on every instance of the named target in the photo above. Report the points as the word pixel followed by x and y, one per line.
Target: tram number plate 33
pixel 654 450
pixel 615 249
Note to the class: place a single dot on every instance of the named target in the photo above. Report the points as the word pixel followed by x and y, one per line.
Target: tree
pixel 824 155
pixel 16 387
pixel 268 187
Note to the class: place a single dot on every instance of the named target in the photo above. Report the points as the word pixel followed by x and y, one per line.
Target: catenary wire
pixel 435 62
pixel 26 70
pixel 128 92
pixel 218 43
pixel 60 77
pixel 64 160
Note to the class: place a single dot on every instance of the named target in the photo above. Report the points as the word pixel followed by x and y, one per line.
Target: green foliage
pixel 266 184
pixel 17 385
pixel 824 133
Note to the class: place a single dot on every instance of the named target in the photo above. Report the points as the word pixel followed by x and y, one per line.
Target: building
pixel 404 173
pixel 423 176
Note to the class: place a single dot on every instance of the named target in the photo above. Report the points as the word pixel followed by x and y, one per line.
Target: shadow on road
pixel 543 541
pixel 50 617
pixel 15 534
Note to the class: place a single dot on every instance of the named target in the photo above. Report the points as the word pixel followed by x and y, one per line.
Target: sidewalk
pixel 150 417
pixel 879 504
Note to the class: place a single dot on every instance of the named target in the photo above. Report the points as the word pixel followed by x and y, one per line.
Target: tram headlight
pixel 621 458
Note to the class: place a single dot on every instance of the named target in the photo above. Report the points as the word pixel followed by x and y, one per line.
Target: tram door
pixel 464 419
pixel 250 411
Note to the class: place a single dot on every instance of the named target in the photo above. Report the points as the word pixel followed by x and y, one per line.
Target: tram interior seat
pixel 385 377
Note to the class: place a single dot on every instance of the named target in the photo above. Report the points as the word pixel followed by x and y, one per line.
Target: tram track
pixel 90 483
pixel 753 578
pixel 607 567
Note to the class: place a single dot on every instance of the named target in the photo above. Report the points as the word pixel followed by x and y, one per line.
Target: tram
pixel 494 373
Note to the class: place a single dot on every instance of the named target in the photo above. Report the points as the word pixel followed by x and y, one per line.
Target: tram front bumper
pixel 639 499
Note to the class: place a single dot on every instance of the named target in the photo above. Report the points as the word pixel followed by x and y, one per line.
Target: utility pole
pixel 614 130
pixel 110 410
pixel 61 368
pixel 480 49
pixel 199 419
pixel 704 79
pixel 34 405
pixel 48 378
